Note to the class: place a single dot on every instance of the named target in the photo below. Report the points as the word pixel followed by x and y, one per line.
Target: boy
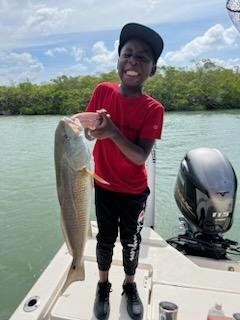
pixel 131 121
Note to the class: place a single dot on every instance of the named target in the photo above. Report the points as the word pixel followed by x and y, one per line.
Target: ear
pixel 154 68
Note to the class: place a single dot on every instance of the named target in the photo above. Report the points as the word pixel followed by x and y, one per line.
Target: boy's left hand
pixel 107 129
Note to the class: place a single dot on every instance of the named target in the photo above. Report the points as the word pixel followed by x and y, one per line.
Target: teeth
pixel 131 73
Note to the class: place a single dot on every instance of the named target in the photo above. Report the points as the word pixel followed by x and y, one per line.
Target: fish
pixel 74 183
pixel 233 8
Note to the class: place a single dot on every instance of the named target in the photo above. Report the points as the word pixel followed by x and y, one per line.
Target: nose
pixel 133 60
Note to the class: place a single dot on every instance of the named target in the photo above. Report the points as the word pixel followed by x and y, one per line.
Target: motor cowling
pixel 205 190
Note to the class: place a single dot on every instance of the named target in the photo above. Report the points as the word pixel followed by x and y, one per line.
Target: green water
pixel 30 231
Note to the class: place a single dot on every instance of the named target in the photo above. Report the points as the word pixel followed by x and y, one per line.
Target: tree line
pixel 206 87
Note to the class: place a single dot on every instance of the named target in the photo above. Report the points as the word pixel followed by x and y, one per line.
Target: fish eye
pixel 66 137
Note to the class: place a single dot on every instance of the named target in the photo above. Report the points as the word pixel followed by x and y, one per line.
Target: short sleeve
pixel 92 105
pixel 153 123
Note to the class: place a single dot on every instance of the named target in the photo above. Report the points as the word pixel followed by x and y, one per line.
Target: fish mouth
pixel 72 128
pixel 77 152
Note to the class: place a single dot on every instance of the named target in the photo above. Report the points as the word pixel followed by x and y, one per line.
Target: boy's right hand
pixel 106 129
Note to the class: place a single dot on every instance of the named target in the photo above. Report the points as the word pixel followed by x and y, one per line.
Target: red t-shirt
pixel 140 117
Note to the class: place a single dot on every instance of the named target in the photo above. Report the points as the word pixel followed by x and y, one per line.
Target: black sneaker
pixel 134 303
pixel 101 304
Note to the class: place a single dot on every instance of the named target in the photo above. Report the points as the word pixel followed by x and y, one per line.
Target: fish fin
pixel 95 176
pixel 74 274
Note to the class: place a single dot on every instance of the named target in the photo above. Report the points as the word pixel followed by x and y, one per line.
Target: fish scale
pixel 79 203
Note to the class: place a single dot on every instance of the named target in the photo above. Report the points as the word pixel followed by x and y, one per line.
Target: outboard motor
pixel 205 193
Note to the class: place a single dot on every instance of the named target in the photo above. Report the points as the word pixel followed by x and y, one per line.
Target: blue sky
pixel 43 39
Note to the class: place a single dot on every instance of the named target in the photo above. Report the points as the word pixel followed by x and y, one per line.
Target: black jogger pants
pixel 123 211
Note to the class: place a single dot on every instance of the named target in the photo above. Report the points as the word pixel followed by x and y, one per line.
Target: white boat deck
pixel 77 301
pixel 163 274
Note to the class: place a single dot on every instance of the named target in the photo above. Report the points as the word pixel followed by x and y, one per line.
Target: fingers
pixel 103 112
pixel 100 111
pixel 73 121
pixel 104 119
pixel 88 134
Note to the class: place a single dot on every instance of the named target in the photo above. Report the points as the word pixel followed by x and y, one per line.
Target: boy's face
pixel 135 63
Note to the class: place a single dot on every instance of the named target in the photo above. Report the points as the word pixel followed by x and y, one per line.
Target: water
pixel 30 232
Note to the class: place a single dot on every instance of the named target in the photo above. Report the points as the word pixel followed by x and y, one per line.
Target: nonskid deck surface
pixel 76 303
pixel 163 274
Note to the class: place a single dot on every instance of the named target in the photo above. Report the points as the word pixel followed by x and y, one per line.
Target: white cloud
pixel 56 24
pixel 16 67
pixel 54 51
pixel 47 20
pixel 162 62
pixel 101 60
pixel 215 38
pixel 104 59
pixel 101 15
pixel 76 70
pixel 28 22
pixel 77 53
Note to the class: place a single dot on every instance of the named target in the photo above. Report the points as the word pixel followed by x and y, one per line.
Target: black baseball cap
pixel 138 31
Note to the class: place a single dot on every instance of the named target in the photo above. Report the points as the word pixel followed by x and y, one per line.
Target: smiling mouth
pixel 132 73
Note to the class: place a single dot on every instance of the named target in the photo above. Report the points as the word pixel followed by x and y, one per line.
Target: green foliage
pixel 207 87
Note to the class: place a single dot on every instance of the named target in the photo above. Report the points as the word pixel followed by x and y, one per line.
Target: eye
pixel 126 55
pixel 143 59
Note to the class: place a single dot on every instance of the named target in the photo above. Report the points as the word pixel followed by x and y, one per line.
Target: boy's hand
pixel 136 152
pixel 106 129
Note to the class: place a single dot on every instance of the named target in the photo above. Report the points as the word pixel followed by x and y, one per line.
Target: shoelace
pixel 104 290
pixel 131 292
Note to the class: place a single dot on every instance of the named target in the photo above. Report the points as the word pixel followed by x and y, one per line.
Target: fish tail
pixel 76 273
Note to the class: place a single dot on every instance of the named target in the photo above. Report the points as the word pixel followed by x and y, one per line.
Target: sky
pixel 41 40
